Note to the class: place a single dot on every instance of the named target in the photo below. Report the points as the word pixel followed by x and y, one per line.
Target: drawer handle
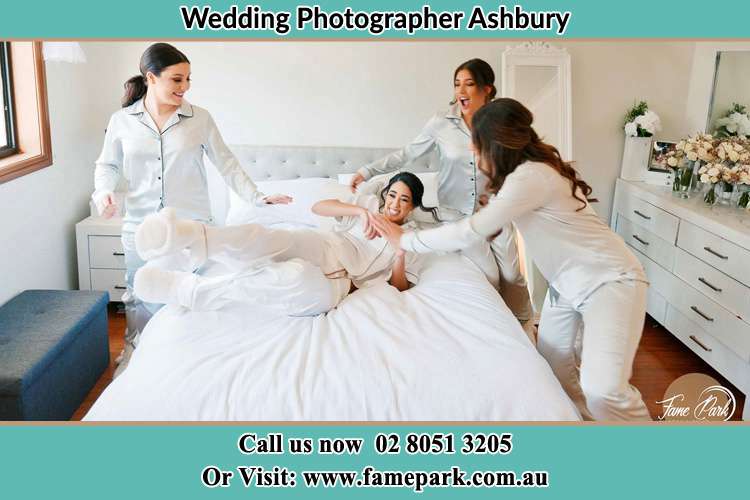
pixel 709 285
pixel 701 313
pixel 695 339
pixel 714 252
pixel 636 212
pixel 640 240
pixel 120 287
pixel 119 254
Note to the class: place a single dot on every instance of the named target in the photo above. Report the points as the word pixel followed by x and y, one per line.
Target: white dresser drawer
pixel 720 253
pixel 655 248
pixel 726 291
pixel 707 347
pixel 109 280
pixel 648 216
pixel 106 252
pixel 713 318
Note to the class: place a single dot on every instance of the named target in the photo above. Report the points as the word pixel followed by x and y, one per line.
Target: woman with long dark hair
pixel 299 272
pixel 156 143
pixel 594 280
pixel 461 185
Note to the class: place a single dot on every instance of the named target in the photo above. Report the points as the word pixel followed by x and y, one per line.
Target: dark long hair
pixel 482 74
pixel 504 138
pixel 155 58
pixel 417 192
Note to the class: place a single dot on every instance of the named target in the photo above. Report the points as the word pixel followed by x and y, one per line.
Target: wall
pixel 311 93
pixel 39 210
pixel 380 94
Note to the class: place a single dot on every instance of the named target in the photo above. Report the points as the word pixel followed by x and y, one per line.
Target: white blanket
pixel 448 349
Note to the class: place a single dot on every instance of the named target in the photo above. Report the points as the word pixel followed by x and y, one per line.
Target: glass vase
pixel 725 192
pixel 710 196
pixel 743 201
pixel 683 178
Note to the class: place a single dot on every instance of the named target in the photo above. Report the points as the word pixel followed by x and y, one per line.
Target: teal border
pixel 584 461
pixel 151 19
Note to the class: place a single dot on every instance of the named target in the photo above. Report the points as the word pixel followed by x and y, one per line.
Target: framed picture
pixel 658 160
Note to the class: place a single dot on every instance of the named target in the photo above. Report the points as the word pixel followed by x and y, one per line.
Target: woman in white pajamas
pixel 461 186
pixel 156 143
pixel 595 281
pixel 300 272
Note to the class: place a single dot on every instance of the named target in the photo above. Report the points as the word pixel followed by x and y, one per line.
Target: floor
pixel 660 359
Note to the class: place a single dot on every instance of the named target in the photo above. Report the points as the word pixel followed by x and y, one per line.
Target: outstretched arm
pixel 336 208
pixel 420 146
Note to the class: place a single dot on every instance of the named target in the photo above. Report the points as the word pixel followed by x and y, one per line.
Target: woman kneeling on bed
pixel 301 272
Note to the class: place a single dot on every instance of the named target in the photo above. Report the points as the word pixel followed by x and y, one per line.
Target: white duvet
pixel 448 349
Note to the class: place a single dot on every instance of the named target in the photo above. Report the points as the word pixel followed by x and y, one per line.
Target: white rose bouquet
pixel 641 122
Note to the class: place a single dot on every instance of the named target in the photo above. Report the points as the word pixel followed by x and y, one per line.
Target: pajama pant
pixel 295 272
pixel 612 318
pixel 137 312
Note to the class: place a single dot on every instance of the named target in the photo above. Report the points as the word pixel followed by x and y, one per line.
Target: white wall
pixel 380 94
pixel 38 211
pixel 312 93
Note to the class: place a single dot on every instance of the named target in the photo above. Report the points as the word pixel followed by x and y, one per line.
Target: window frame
pixel 8 113
pixel 30 112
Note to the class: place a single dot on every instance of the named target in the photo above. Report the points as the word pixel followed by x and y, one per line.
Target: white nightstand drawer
pixel 649 217
pixel 711 350
pixel 109 280
pixel 647 242
pixel 713 318
pixel 106 252
pixel 716 251
pixel 726 291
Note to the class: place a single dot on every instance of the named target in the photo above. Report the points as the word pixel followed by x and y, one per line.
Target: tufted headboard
pixel 267 163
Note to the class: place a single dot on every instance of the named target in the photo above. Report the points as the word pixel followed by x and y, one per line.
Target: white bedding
pixel 448 349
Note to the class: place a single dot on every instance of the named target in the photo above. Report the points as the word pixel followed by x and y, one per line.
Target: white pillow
pixel 305 192
pixel 376 184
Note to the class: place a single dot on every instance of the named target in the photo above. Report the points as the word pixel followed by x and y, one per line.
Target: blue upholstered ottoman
pixel 54 346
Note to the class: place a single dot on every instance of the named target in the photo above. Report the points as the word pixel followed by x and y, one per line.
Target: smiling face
pixel 398 203
pixel 468 94
pixel 171 85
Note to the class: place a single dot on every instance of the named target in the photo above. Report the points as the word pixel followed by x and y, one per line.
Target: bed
pixel 446 350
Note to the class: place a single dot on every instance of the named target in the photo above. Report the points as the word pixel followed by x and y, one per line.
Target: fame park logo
pixel 697 397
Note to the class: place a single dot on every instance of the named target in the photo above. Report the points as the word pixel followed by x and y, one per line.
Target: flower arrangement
pixel 641 122
pixel 724 161
pixel 735 123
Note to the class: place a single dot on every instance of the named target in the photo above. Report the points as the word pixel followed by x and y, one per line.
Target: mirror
pixel 538 75
pixel 731 85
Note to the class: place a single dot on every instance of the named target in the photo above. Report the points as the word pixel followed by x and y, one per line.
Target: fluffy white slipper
pixel 163 234
pixel 158 286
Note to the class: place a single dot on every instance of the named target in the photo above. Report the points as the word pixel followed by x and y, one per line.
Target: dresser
pixel 697 260
pixel 101 260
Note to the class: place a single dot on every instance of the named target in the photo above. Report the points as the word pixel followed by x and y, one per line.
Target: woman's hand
pixel 356 181
pixel 278 199
pixel 388 230
pixel 367 227
pixel 106 204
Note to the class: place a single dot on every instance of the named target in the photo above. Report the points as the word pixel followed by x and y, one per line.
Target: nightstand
pixel 101 259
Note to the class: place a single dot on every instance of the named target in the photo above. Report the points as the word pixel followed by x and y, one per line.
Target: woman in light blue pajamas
pixel 461 185
pixel 156 142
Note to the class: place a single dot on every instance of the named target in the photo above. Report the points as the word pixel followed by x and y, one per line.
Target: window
pixel 7 129
pixel 24 119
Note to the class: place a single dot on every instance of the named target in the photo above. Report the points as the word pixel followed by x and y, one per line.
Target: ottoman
pixel 54 346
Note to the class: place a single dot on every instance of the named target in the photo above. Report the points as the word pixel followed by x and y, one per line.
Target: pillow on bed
pixel 306 192
pixel 377 183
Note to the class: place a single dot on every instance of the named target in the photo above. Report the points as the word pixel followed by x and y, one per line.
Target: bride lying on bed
pixel 302 272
